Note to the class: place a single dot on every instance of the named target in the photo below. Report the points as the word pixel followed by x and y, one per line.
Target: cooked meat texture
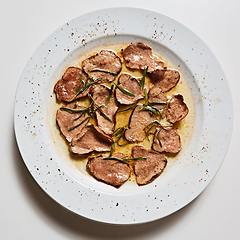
pixel 129 83
pixel 139 55
pixel 100 95
pixel 138 121
pixel 169 140
pixel 157 98
pixel 177 109
pixel 105 60
pixel 65 121
pixel 91 139
pixel 111 172
pixel 66 88
pixel 147 170
pixel 165 79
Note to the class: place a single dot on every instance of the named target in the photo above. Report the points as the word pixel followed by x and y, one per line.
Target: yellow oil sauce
pixel 184 127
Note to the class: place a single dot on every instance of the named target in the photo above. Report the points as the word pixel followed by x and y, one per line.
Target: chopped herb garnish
pixel 124 90
pixel 70 129
pixel 104 71
pixel 112 148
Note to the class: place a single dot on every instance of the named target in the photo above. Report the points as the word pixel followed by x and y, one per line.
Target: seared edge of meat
pixel 169 139
pixel 138 121
pixel 176 110
pixel 91 139
pixel 147 170
pixel 65 121
pixel 139 56
pixel 129 83
pixel 66 88
pixel 105 60
pixel 109 171
pixel 100 95
pixel 165 79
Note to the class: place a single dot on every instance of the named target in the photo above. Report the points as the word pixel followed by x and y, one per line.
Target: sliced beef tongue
pixel 91 139
pixel 103 61
pixel 111 172
pixel 67 87
pixel 139 55
pixel 147 170
pixel 165 79
pixel 169 140
pixel 129 83
pixel 157 98
pixel 100 95
pixel 138 121
pixel 65 120
pixel 176 110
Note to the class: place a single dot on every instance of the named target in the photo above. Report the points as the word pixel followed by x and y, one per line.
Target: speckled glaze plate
pixel 79 192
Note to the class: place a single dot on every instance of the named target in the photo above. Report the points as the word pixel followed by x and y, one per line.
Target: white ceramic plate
pixel 79 192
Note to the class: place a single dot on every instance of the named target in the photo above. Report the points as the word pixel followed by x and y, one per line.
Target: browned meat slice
pixel 65 121
pixel 157 98
pixel 91 139
pixel 103 61
pixel 169 140
pixel 147 170
pixel 100 95
pixel 138 121
pixel 66 88
pixel 165 79
pixel 129 83
pixel 177 109
pixel 111 172
pixel 139 55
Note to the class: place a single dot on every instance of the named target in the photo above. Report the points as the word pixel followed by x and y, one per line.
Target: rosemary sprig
pixel 109 96
pixel 119 134
pixel 87 110
pixel 124 90
pixel 99 109
pixel 70 129
pixel 104 71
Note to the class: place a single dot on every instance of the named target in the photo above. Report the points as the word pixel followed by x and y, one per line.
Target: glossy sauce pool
pixel 184 127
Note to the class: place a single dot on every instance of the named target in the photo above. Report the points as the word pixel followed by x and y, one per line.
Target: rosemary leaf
pixel 104 71
pixel 142 81
pixel 117 159
pixel 148 108
pixel 124 91
pixel 146 97
pixel 139 158
pixel 109 96
pixel 71 110
pixel 157 103
pixel 112 148
pixel 70 129
pixel 133 106
pixel 159 138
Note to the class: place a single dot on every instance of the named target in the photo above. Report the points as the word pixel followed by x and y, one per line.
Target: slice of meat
pixel 66 88
pixel 156 96
pixel 111 172
pixel 139 55
pixel 165 79
pixel 65 121
pixel 91 139
pixel 100 95
pixel 169 140
pixel 105 60
pixel 129 83
pixel 147 170
pixel 138 121
pixel 177 109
